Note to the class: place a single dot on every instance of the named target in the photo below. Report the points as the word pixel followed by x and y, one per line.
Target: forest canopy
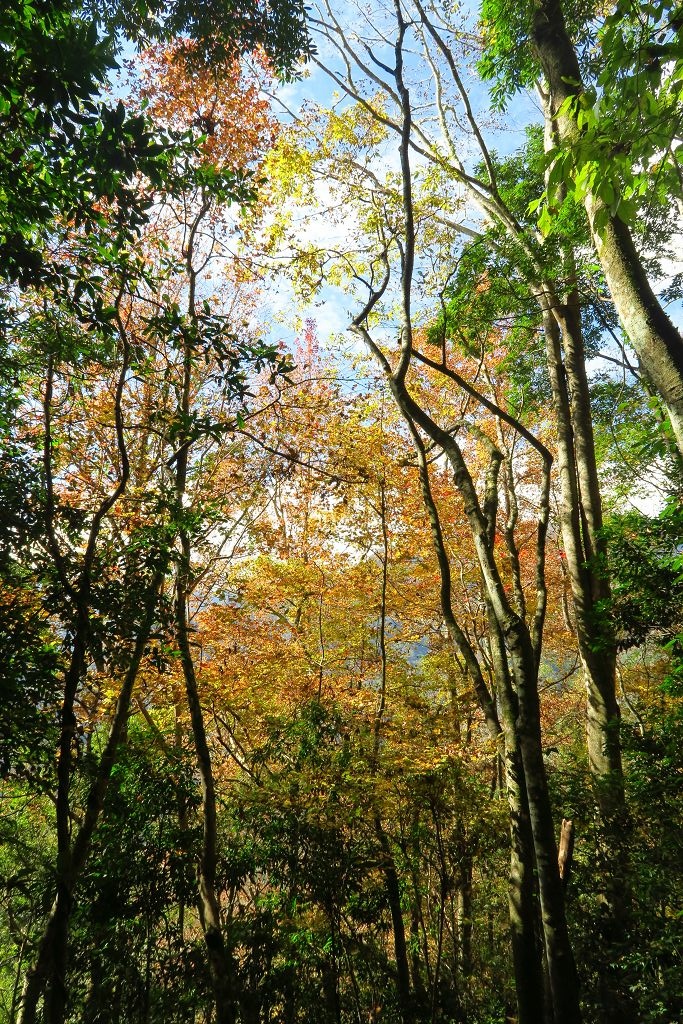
pixel 341 467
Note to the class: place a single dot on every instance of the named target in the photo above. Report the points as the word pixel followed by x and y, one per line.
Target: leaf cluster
pixel 645 575
pixel 222 28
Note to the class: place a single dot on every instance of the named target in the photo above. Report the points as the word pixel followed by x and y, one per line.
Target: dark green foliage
pixel 645 576
pixel 317 940
pixel 626 108
pixel 654 763
pixel 29 653
pixel 307 916
pixel 64 150
pixel 29 689
pixel 645 959
pixel 132 959
pixel 26 854
pixel 220 27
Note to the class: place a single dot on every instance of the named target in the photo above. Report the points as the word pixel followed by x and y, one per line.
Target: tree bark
pixel 521 659
pixel 521 898
pixel 654 337
pixel 566 850
pixel 580 520
pixel 523 668
pixel 48 973
pixel 521 655
pixel 527 961
pixel 464 912
pixel 388 868
pixel 219 962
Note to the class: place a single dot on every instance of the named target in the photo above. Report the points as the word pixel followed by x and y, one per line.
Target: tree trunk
pixel 566 850
pixel 464 912
pixel 580 516
pixel 520 656
pixel 526 962
pixel 516 649
pixel 581 520
pixel 519 645
pixel 388 868
pixel 561 969
pixel 219 961
pixel 650 331
pixel 581 523
pixel 48 973
pixel 654 337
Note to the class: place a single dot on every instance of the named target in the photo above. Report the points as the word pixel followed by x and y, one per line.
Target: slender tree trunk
pixel 580 516
pixel 47 976
pixel 330 977
pixel 522 661
pixel 56 995
pixel 220 963
pixel 510 638
pixel 566 850
pixel 527 964
pixel 521 657
pixel 527 961
pixel 416 919
pixel 581 523
pixel 415 965
pixel 586 563
pixel 464 912
pixel 48 973
pixel 445 885
pixel 581 520
pixel 561 968
pixel 40 970
pixel 220 968
pixel 391 885
pixel 521 648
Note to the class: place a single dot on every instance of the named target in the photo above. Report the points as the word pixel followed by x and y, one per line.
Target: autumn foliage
pixel 296 634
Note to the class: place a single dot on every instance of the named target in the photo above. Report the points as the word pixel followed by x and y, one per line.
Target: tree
pixel 605 152
pixel 87 177
pixel 291 640
pixel 546 276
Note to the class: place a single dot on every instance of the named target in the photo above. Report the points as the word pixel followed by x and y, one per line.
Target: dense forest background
pixel 341 405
